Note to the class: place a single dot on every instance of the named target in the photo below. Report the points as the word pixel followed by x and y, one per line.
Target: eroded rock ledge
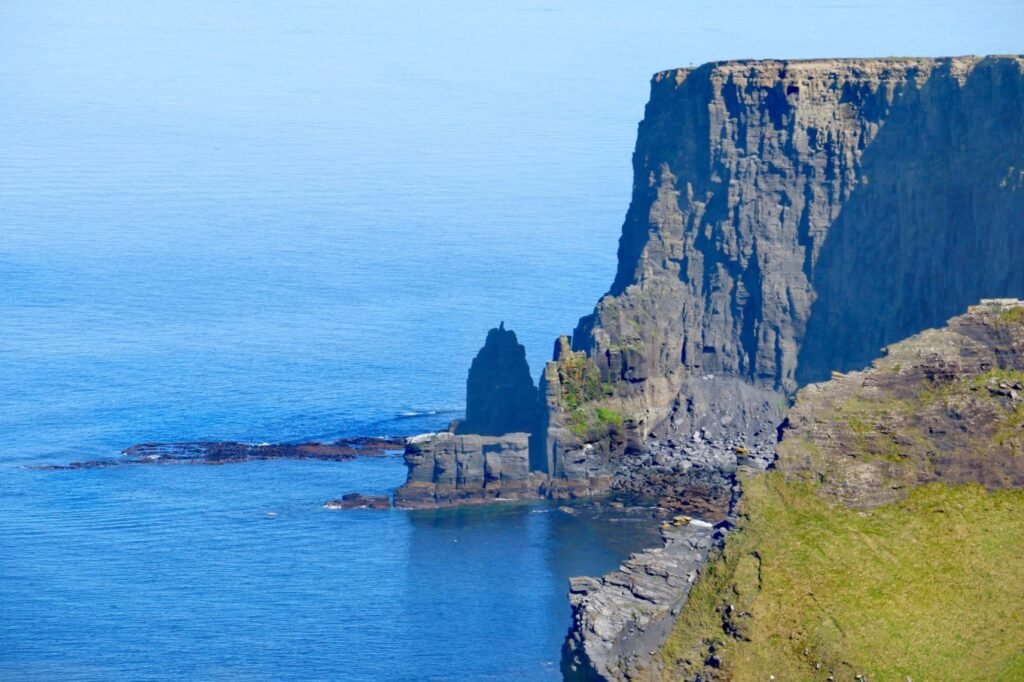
pixel 447 469
pixel 621 620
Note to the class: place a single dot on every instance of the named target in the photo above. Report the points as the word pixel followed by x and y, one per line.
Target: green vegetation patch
pixel 1014 315
pixel 580 381
pixel 929 587
pixel 609 416
pixel 588 421
pixel 582 392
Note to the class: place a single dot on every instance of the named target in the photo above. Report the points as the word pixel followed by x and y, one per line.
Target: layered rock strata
pixel 945 405
pixel 447 469
pixel 621 619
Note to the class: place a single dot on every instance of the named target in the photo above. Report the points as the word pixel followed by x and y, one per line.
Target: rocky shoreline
pixel 621 620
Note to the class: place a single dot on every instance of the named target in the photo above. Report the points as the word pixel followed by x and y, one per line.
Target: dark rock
pixel 500 395
pixel 768 232
pixel 622 619
pixel 230 452
pixel 359 501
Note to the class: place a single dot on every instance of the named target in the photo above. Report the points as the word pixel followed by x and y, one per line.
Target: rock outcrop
pixel 500 395
pixel 620 620
pixel 945 405
pixel 486 456
pixel 447 469
pixel 359 501
pixel 231 452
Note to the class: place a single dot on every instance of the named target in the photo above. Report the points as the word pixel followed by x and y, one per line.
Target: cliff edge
pixel 886 543
pixel 788 219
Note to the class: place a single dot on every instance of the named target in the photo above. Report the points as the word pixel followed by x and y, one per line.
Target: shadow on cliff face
pixel 936 224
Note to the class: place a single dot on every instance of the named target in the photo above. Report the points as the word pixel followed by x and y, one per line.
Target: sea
pixel 271 221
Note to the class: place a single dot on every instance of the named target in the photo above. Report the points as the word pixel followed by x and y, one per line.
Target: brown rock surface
pixel 944 405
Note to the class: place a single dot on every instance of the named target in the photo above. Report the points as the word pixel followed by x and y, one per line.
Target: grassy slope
pixel 930 587
pixel 844 563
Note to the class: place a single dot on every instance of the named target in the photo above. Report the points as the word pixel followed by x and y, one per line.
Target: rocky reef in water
pixel 788 219
pixel 231 452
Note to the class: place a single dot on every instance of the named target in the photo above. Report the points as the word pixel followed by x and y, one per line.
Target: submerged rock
pixel 231 452
pixel 359 501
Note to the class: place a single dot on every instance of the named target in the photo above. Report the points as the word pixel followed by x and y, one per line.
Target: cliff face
pixel 789 218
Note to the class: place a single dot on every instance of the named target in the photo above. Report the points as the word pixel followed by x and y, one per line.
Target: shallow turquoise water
pixel 270 221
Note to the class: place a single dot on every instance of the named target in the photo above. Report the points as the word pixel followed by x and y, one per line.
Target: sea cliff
pixel 788 219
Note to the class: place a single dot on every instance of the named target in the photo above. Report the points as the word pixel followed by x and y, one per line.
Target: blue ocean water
pixel 270 221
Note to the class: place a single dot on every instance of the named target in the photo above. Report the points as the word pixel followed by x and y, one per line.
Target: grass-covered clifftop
pixel 888 541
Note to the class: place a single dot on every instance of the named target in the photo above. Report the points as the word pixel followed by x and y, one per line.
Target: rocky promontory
pixel 788 219
pixel 945 405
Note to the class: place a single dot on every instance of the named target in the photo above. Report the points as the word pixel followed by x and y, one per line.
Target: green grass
pixel 609 416
pixel 579 422
pixel 1013 315
pixel 581 381
pixel 930 587
pixel 582 391
pixel 587 421
pixel 997 375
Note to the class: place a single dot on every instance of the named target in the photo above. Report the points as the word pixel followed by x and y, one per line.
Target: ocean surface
pixel 273 221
